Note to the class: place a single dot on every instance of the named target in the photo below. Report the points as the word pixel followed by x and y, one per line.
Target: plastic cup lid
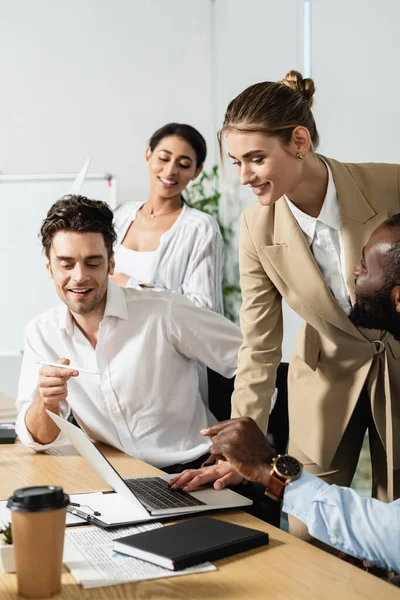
pixel 38 498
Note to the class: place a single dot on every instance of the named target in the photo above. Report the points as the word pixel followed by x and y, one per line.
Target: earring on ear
pixel 300 156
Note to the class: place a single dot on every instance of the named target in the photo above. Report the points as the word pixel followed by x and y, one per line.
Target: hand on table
pixel 221 475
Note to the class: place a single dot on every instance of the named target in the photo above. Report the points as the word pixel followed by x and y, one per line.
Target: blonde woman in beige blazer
pixel 337 386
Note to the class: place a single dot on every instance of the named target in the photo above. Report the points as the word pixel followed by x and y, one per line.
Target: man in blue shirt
pixel 362 527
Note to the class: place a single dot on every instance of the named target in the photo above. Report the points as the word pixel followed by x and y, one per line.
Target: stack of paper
pixel 89 555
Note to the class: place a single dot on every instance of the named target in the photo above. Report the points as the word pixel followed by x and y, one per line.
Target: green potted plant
pixel 6 549
pixel 203 194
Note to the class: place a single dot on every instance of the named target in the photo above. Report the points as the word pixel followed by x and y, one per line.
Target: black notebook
pixel 190 543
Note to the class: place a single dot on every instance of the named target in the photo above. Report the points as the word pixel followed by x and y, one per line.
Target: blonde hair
pixel 273 108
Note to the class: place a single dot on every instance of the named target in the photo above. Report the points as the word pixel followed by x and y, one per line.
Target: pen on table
pixel 69 367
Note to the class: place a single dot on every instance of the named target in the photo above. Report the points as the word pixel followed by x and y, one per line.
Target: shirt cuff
pixel 26 438
pixel 301 493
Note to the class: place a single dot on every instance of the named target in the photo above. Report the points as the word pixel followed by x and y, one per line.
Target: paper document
pixel 89 555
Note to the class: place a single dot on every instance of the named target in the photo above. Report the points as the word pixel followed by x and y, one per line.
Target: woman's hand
pixel 120 279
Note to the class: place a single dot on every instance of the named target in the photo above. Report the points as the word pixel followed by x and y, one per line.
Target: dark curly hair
pixel 81 215
pixel 393 257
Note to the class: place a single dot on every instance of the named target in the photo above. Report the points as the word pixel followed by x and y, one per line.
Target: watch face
pixel 287 466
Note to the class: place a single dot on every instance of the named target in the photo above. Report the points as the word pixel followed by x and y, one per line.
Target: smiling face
pixel 377 303
pixel 265 164
pixel 172 165
pixel 79 266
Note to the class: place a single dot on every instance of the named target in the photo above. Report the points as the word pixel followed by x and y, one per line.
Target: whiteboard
pixel 26 289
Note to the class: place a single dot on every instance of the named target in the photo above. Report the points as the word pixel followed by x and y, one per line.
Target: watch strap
pixel 275 487
pixel 278 481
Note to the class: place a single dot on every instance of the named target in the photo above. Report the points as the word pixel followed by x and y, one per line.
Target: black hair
pixel 187 133
pixel 78 214
pixel 393 256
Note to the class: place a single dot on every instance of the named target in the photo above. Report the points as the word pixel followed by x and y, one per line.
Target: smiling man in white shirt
pixel 141 346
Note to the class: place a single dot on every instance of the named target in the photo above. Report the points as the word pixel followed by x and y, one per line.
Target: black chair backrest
pixel 219 399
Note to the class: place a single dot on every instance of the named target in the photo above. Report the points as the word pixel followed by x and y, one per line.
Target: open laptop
pixel 150 497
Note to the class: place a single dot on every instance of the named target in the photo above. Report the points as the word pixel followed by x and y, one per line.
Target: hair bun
pixel 294 80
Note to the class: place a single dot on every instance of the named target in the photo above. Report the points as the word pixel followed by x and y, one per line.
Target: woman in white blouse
pixel 163 243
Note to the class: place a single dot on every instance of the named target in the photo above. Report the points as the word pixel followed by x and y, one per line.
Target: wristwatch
pixel 284 469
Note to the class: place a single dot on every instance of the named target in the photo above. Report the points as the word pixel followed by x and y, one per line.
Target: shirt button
pixel 114 407
pixel 124 437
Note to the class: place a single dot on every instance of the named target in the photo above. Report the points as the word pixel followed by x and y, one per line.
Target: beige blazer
pixel 332 359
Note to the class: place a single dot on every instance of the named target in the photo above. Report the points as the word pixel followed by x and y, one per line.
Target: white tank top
pixel 135 264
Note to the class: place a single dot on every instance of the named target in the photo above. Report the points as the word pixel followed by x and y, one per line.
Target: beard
pixel 376 312
pixel 85 306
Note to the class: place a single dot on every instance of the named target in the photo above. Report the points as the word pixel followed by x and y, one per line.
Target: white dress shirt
pixel 324 236
pixel 189 259
pixel 146 399
pixel 362 527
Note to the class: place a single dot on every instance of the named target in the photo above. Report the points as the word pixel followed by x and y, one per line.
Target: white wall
pixel 255 40
pixel 356 58
pixel 95 77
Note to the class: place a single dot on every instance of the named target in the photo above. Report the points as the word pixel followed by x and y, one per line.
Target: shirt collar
pixel 115 307
pixel 116 302
pixel 329 215
pixel 330 211
pixel 306 222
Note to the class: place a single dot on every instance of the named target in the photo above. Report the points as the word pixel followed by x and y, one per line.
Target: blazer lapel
pixel 292 258
pixel 358 219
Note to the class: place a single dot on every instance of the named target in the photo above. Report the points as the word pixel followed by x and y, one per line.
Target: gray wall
pixel 256 40
pixel 97 77
pixel 356 57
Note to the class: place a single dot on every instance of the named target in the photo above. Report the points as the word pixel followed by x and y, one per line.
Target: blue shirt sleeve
pixel 362 527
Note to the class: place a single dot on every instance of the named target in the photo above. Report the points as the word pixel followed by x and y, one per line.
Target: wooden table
pixel 287 569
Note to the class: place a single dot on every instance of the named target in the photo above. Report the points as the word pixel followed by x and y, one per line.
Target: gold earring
pixel 300 156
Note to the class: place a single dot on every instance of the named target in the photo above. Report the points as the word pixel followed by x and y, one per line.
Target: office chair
pixel 220 390
pixel 219 399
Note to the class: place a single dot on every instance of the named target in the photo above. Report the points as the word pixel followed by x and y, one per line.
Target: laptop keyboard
pixel 154 493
